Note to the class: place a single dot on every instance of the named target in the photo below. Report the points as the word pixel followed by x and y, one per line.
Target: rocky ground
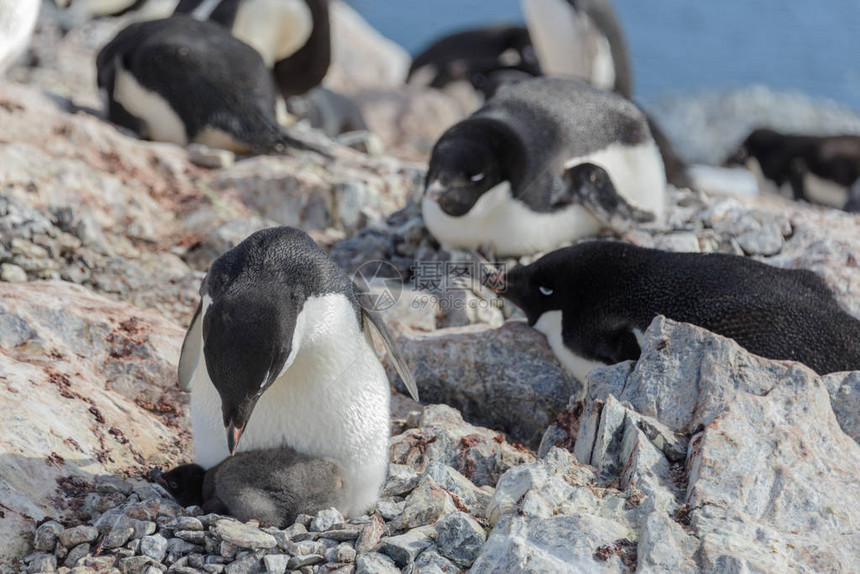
pixel 698 457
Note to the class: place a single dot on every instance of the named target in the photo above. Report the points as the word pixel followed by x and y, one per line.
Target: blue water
pixel 681 46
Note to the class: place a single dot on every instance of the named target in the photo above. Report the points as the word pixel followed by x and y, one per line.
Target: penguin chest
pixel 506 225
pixel 275 28
pixel 159 120
pixel 17 20
pixel 577 365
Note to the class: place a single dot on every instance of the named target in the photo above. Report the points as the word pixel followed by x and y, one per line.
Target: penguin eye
pixel 545 290
pixel 477 177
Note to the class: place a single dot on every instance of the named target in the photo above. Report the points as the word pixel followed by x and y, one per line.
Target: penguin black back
pixel 606 290
pixel 211 83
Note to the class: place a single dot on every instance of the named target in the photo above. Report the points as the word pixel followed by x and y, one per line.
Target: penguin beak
pixel 234 433
pixel 434 191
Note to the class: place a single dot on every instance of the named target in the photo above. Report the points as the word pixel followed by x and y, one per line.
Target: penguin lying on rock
pixel 498 179
pixel 819 169
pixel 279 354
pixel 594 300
pixel 271 486
pixel 183 81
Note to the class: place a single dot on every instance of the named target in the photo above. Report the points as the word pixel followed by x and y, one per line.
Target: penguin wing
pixel 375 320
pixel 191 347
pixel 591 186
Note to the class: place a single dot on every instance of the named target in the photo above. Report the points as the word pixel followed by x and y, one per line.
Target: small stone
pixel 136 565
pixel 133 546
pixel 185 523
pixel 177 548
pixel 375 563
pixel 76 553
pixel 154 546
pixel 108 484
pixel 100 563
pixel 244 535
pixel 294 530
pixel 228 550
pixel 344 553
pixel 46 536
pixel 405 547
pixel 370 535
pixel 142 528
pixel 214 568
pixel 402 480
pixel 196 560
pixel 428 503
pixel 72 537
pixel 343 534
pixel 389 510
pixel 297 562
pixel 276 563
pixel 460 538
pixel 211 158
pixel 192 536
pixel 42 562
pixel 303 519
pixel 245 565
pixel 336 568
pixel 431 562
pixel 325 519
pixel 184 570
pixel 117 537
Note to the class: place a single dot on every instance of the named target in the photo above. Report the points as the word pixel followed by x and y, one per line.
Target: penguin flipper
pixel 191 350
pixel 400 366
pixel 590 186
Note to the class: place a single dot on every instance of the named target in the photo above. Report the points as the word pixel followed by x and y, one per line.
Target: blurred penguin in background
pixel 483 57
pixel 17 20
pixel 580 39
pixel 292 36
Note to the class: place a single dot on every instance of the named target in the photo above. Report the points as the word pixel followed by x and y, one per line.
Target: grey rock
pixel 142 528
pixel 47 535
pixel 477 369
pixel 192 536
pixel 204 156
pixel 297 562
pixel 294 530
pixel 389 509
pixel 117 537
pixel 246 565
pixel 844 392
pixel 185 523
pixel 343 553
pixel 425 505
pixel 244 535
pixel 469 496
pixel 401 480
pixel 77 535
pixel 75 554
pixel 326 519
pixel 370 535
pixel 137 565
pixel 349 532
pixel 375 563
pixel 275 563
pixel 404 548
pixel 460 538
pixel 480 454
pixel 222 239
pixel 42 562
pixel 12 273
pixel 431 562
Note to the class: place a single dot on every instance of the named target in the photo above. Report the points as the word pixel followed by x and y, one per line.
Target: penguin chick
pixel 271 486
pixel 496 179
pixel 278 354
pixel 179 80
pixel 594 300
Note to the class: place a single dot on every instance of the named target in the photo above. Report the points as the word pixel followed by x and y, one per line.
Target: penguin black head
pixel 466 163
pixel 535 288
pixel 184 483
pixel 760 142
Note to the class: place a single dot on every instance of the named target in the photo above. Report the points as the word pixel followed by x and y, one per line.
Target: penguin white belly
pixel 160 121
pixel 17 20
pixel 550 325
pixel 332 400
pixel 507 225
pixel 554 32
pixel 824 192
pixel 636 171
pixel 275 28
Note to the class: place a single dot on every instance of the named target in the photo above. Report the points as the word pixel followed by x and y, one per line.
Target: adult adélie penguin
pixel 279 353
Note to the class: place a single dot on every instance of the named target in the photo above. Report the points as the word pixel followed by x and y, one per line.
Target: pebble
pixel 246 565
pixel 193 536
pixel 370 536
pixel 431 562
pixel 76 554
pixel 375 563
pixel 42 562
pixel 389 510
pixel 154 546
pixel 117 537
pixel 402 480
pixel 276 563
pixel 11 273
pixel 185 523
pixel 311 559
pixel 244 535
pixel 325 519
pixel 71 537
pixel 460 538
pixel 404 548
pixel 46 536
